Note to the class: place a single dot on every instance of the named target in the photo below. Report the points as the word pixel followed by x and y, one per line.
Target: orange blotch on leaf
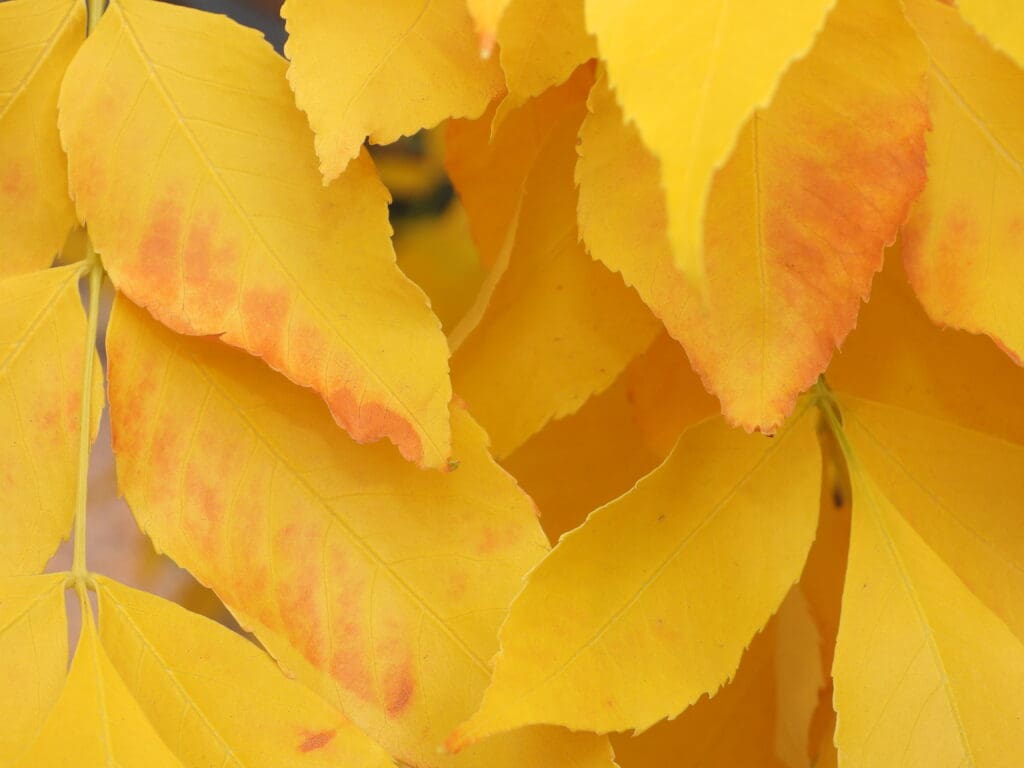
pixel 318 740
pixel 368 422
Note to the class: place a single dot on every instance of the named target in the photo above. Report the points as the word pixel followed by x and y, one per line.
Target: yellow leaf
pixel 842 144
pixel 214 697
pixel 486 15
pixel 96 723
pixel 407 65
pixel 33 657
pixel 221 229
pixel 650 603
pixel 490 172
pixel 547 309
pixel 964 240
pixel 541 43
pixel 924 673
pixel 1000 24
pixel 378 585
pixel 42 350
pixel 689 75
pixel 958 488
pixel 37 40
pixel 707 735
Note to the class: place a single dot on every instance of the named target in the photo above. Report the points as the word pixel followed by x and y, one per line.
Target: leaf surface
pixel 1003 28
pixel 42 350
pixel 220 229
pixel 924 673
pixel 378 585
pixel 650 603
pixel 963 242
pixel 408 65
pixel 719 60
pixel 37 40
pixel 486 15
pixel 842 147
pixel 547 310
pixel 214 697
pixel 96 723
pixel 33 657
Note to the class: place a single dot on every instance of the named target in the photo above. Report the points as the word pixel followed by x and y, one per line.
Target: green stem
pixel 96 8
pixel 78 567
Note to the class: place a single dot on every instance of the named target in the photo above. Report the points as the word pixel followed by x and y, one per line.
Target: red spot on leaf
pixel 317 740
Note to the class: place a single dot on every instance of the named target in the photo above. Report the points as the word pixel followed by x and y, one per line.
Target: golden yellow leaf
pixel 408 64
pixel 42 350
pixel 96 723
pixel 219 228
pixel 486 15
pixel 924 673
pixel 541 43
pixel 963 243
pixel 650 603
pixel 998 22
pixel 215 698
pixel 490 172
pixel 842 147
pixel 958 488
pixel 33 657
pixel 37 40
pixel 706 734
pixel 378 585
pixel 689 75
pixel 547 311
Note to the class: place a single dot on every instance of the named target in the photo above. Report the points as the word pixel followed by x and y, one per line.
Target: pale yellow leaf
pixel 203 198
pixel 42 350
pixel 689 75
pixel 963 243
pixel 214 697
pixel 924 673
pixel 37 40
pixel 650 603
pixel 378 585
pixel 842 143
pixel 33 657
pixel 405 65
pixel 96 723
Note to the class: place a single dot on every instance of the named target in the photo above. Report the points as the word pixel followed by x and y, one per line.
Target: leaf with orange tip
pixel 214 697
pixel 963 242
pixel 689 75
pixel 648 605
pixel 37 40
pixel 547 306
pixel 33 657
pixel 379 586
pixel 220 229
pixel 839 147
pixel 486 16
pixel 42 353
pixel 408 64
pixel 541 42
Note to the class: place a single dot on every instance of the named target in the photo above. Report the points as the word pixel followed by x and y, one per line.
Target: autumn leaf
pixel 42 349
pixel 719 61
pixel 379 586
pixel 545 306
pixel 1004 30
pixel 33 657
pixel 486 15
pixel 216 235
pixel 637 613
pixel 37 40
pixel 409 65
pixel 963 241
pixel 844 150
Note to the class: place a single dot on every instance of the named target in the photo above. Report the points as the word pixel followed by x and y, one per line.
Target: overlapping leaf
pixel 1004 29
pixel 797 220
pixel 378 585
pixel 689 75
pixel 963 243
pixel 639 612
pixel 221 228
pixel 42 351
pixel 407 65
pixel 37 40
